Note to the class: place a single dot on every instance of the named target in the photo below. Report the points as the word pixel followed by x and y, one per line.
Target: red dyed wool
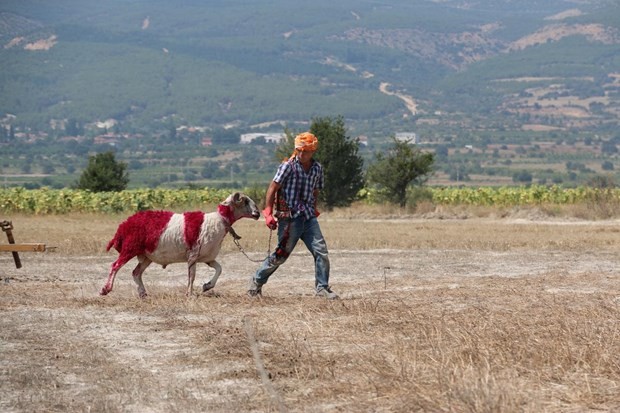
pixel 227 213
pixel 139 234
pixel 193 222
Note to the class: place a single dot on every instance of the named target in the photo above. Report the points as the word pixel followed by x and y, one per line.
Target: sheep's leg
pixel 191 275
pixel 144 262
pixel 218 270
pixel 116 266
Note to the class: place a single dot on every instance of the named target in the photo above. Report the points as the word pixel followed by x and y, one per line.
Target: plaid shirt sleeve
pixel 321 181
pixel 284 170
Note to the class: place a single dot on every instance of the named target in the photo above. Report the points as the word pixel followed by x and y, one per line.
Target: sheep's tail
pixel 114 242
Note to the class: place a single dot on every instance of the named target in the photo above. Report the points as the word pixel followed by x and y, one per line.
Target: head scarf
pixel 305 141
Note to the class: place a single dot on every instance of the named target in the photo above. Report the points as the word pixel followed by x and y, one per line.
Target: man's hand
pixel 270 221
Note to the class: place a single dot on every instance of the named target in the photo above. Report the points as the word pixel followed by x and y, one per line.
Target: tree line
pixel 390 173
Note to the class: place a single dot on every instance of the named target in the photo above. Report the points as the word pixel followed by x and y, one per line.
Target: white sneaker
pixel 254 290
pixel 326 292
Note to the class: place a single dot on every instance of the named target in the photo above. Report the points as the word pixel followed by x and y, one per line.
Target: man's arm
pixel 270 221
pixel 270 197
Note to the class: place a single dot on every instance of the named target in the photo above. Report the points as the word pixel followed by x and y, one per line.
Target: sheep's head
pixel 240 206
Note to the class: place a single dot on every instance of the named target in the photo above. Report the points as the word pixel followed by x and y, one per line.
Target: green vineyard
pixel 63 201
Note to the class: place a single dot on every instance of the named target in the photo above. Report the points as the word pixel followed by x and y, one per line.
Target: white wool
pixel 171 247
pixel 212 233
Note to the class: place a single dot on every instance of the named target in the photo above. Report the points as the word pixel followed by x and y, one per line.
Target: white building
pixel 269 137
pixel 410 137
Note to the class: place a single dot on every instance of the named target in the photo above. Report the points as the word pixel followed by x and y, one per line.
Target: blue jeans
pixel 289 232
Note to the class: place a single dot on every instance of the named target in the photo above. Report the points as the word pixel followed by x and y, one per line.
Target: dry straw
pixel 517 314
pixel 260 367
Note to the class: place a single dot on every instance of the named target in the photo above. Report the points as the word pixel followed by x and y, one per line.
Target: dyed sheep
pixel 164 237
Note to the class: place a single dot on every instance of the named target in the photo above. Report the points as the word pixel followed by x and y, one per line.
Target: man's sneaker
pixel 326 292
pixel 254 290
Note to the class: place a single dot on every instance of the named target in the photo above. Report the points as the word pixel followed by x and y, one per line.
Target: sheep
pixel 165 237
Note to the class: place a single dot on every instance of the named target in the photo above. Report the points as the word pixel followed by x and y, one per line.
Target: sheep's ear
pixel 237 197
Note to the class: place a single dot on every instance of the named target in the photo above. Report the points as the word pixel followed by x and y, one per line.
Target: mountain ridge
pixel 147 62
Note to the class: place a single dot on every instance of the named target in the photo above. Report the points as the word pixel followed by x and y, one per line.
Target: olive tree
pixel 104 174
pixel 401 166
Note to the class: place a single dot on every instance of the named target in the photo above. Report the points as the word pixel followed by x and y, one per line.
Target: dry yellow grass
pixel 363 227
pixel 462 314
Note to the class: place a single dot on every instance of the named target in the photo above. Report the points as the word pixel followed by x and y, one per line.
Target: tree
pixel 73 128
pixel 609 148
pixel 338 153
pixel 402 165
pixel 602 181
pixel 172 132
pixel 223 136
pixel 441 151
pixel 522 177
pixel 104 174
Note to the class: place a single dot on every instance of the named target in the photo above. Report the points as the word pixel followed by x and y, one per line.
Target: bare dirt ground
pixel 435 315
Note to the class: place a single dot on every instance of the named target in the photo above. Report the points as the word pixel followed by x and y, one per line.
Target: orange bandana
pixel 305 142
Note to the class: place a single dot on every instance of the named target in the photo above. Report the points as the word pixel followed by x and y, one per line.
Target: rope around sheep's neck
pixel 227 214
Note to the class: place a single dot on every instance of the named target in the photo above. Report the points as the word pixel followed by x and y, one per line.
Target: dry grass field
pixel 448 313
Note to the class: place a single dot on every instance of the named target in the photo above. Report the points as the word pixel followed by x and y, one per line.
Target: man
pixel 294 191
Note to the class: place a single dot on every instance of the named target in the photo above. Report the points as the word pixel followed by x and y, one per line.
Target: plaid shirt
pixel 298 187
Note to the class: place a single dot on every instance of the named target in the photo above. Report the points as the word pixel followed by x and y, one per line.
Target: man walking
pixel 291 198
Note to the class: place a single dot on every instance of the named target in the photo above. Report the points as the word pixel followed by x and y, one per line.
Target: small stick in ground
pixel 261 367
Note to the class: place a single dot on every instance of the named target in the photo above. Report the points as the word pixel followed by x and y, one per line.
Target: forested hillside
pixel 213 62
pixel 453 72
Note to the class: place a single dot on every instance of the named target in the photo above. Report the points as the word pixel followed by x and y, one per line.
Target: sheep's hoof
pixel 207 286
